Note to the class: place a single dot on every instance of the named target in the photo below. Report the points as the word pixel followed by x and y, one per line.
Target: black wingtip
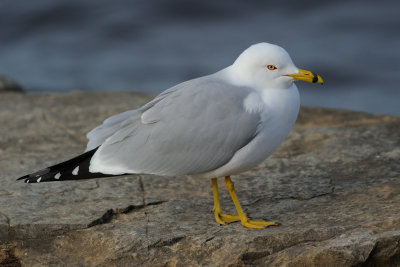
pixel 23 177
pixel 36 175
pixel 73 169
pixel 26 178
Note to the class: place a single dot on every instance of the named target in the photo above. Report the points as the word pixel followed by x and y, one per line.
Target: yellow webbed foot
pixel 259 224
pixel 229 217
pixel 224 219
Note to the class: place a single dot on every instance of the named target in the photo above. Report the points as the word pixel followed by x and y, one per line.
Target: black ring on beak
pixel 315 77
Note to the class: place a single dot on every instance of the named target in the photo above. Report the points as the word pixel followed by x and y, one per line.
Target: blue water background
pixel 148 46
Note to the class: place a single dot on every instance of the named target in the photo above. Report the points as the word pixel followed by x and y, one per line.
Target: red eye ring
pixel 271 67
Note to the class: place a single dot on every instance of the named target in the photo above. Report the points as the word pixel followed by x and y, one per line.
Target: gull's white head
pixel 266 65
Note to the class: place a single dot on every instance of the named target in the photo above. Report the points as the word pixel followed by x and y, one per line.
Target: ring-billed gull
pixel 213 126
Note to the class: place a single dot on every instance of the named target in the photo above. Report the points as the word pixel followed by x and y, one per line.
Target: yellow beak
pixel 307 76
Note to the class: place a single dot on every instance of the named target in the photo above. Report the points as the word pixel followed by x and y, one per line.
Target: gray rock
pixel 9 85
pixel 333 186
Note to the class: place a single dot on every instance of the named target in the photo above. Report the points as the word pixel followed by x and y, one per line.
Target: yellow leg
pixel 246 222
pixel 220 217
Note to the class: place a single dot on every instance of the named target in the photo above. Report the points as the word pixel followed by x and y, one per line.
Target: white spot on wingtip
pixel 253 103
pixel 39 179
pixel 57 176
pixel 75 171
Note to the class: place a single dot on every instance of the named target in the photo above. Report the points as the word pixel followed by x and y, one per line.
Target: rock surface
pixel 333 186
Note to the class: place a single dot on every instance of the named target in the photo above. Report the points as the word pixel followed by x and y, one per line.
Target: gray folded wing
pixel 192 128
pixel 110 126
pixel 98 135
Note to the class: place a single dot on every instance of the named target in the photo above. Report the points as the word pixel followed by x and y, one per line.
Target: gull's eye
pixel 271 67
